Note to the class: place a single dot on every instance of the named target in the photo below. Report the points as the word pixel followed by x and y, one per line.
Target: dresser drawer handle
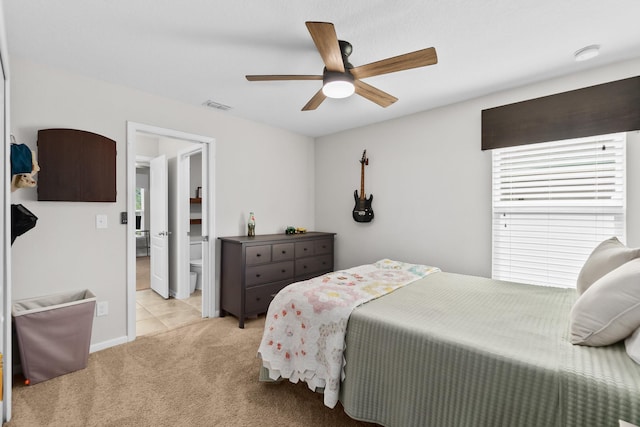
pixel 284 252
pixel 283 271
pixel 304 266
pixel 258 255
pixel 257 275
pixel 305 249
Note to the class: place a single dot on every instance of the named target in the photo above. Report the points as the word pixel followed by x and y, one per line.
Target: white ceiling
pixel 198 50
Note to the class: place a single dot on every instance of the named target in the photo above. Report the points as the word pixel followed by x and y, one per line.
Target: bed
pixel 456 350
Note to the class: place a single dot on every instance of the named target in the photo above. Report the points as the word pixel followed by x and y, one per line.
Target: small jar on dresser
pixel 254 269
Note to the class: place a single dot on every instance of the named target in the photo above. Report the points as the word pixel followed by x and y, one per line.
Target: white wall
pixel 195 173
pixel 147 145
pixel 432 184
pixel 65 251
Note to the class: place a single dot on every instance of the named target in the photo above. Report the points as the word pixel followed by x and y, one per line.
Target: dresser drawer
pixel 304 249
pixel 315 264
pixel 268 273
pixel 282 252
pixel 258 298
pixel 324 246
pixel 258 254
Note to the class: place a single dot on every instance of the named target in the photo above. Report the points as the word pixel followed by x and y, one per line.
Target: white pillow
pixel 606 257
pixel 609 310
pixel 632 344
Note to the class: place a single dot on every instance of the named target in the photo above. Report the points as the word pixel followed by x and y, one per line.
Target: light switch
pixel 101 221
pixel 102 308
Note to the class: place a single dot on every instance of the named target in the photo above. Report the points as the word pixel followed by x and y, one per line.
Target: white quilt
pixel 305 328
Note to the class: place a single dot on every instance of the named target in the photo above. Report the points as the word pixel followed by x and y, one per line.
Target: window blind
pixel 554 202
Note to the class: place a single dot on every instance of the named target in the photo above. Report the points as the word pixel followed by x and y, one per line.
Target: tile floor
pixel 156 314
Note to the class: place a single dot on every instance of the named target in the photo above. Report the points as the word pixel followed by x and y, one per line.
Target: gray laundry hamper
pixel 54 333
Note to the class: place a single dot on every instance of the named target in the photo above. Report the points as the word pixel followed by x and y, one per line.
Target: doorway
pixel 172 235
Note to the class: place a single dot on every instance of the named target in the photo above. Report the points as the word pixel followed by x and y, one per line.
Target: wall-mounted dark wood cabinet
pixel 76 166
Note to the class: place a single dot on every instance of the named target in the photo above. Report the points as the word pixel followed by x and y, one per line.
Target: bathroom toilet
pixel 195 261
pixel 193 279
pixel 196 267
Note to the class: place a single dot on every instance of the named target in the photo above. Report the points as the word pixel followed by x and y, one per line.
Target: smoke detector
pixel 587 52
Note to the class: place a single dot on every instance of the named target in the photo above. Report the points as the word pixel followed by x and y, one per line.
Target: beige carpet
pixel 143 269
pixel 202 374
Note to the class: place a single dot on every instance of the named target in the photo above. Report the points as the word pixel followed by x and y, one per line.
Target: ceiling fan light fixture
pixel 338 85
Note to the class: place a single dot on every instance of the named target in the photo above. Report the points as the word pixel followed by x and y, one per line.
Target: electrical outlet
pixel 102 308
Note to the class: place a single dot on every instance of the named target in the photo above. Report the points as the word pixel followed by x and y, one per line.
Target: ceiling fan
pixel 340 79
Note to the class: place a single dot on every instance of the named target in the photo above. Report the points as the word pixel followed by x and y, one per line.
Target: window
pixel 139 208
pixel 554 202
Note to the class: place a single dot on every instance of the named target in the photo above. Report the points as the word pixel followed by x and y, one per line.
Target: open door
pixel 208 292
pixel 209 289
pixel 183 229
pixel 158 228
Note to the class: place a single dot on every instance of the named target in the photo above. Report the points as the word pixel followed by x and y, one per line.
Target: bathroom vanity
pixel 254 269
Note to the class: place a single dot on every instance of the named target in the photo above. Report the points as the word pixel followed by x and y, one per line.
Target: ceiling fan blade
pixel 315 101
pixel 419 58
pixel 326 40
pixel 373 94
pixel 281 77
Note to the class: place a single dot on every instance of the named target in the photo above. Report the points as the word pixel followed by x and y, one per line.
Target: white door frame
pixel 209 290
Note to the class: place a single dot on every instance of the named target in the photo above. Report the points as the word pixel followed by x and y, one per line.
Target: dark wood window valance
pixel 594 110
pixel 76 166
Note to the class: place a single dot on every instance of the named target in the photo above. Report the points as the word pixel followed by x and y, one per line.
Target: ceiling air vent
pixel 213 104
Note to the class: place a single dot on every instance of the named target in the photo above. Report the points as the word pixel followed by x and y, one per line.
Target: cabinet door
pixel 60 151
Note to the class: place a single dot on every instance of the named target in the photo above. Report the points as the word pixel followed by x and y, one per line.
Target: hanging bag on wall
pixel 21 158
pixel 22 220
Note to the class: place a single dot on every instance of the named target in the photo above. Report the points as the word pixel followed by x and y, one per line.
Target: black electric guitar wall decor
pixel 362 212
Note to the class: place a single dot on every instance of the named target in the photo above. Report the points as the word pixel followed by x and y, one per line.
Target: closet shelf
pixel 195 200
pixel 195 221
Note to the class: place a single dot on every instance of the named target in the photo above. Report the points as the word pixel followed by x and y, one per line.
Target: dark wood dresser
pixel 254 269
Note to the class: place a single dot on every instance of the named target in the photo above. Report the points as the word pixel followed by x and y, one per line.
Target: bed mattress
pixel 457 350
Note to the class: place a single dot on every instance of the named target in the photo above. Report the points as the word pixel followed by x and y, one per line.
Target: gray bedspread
pixel 457 350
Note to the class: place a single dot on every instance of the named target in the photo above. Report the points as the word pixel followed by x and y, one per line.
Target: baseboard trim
pixel 106 344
